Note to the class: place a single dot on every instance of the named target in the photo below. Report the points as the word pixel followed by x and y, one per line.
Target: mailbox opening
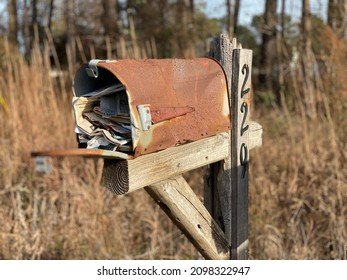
pixel 102 112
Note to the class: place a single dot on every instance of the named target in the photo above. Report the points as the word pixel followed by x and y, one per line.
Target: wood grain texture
pixel 226 185
pixel 255 135
pixel 217 190
pixel 184 208
pixel 123 176
pixel 115 176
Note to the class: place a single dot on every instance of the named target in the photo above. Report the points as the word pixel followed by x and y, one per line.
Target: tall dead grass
pixel 298 191
pixel 299 176
pixel 298 187
pixel 65 214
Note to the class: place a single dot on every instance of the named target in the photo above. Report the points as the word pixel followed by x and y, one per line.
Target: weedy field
pixel 298 179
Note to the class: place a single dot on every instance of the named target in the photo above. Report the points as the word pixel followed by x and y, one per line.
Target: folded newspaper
pixel 102 119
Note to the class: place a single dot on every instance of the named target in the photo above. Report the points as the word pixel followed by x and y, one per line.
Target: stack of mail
pixel 102 119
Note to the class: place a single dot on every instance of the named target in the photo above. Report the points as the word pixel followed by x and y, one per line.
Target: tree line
pixel 81 30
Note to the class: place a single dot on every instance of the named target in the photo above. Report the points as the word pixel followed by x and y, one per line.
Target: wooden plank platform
pixel 123 176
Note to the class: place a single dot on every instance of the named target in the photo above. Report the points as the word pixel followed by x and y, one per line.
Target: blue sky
pixel 249 8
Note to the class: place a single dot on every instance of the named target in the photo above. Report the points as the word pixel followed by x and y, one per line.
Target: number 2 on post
pixel 245 71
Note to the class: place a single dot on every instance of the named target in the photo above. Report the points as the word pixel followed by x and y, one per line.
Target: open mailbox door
pixel 149 105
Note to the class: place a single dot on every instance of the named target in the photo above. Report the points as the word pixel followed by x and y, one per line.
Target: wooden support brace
pixel 188 213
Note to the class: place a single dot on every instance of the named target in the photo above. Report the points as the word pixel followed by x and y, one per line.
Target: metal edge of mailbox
pixel 87 153
pixel 172 83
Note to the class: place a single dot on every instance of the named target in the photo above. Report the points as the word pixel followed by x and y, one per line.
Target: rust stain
pixel 80 153
pixel 167 113
pixel 188 99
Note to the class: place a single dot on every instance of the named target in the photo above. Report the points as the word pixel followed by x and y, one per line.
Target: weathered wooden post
pixel 241 91
pixel 226 185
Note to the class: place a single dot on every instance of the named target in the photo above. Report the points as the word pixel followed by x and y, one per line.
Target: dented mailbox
pixel 171 101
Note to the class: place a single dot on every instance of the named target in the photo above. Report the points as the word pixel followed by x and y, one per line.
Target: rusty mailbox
pixel 143 106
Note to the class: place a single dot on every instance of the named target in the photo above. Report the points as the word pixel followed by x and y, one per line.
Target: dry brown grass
pixel 298 187
pixel 298 182
pixel 298 192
